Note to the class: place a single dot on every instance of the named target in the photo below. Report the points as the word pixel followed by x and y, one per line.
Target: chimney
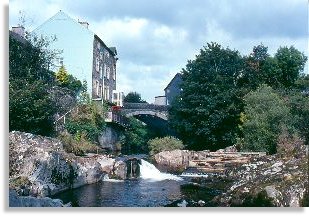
pixel 20 30
pixel 84 23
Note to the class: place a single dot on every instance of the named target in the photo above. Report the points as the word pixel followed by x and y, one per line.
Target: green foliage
pixel 28 59
pixel 157 145
pixel 133 97
pixel 62 76
pixel 299 106
pixel 291 63
pixel 88 119
pixel 135 138
pixel 265 116
pixel 209 112
pixel 78 144
pixel 280 71
pixel 67 80
pixel 30 107
pixel 206 114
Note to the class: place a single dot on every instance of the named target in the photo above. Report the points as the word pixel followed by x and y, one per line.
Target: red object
pixel 116 108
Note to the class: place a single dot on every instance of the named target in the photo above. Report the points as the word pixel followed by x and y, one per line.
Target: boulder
pixel 29 201
pixel 40 167
pixel 268 181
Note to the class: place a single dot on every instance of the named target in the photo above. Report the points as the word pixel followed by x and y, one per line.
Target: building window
pixel 101 55
pixel 107 72
pixel 104 71
pixel 97 64
pixel 101 71
pixel 114 73
pixel 100 89
pixel 107 54
pixel 106 93
pixel 98 45
pixel 97 88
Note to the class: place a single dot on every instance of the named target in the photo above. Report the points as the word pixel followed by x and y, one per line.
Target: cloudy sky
pixel 155 38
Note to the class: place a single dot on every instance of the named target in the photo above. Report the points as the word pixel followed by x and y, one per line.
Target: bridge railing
pixel 145 106
pixel 116 117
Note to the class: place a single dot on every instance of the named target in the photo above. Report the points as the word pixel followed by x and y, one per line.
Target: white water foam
pixel 150 172
pixel 107 179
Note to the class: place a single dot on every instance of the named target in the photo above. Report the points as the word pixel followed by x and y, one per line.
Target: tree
pixel 64 79
pixel 135 138
pixel 30 107
pixel 133 97
pixel 265 116
pixel 298 103
pixel 62 76
pixel 206 113
pixel 291 63
pixel 280 71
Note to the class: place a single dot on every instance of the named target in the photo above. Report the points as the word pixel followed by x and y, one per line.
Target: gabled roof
pixel 178 75
pixel 63 15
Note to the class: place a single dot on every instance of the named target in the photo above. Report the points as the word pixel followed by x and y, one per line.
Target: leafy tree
pixel 280 71
pixel 291 63
pixel 298 103
pixel 133 97
pixel 62 76
pixel 68 81
pixel 206 114
pixel 265 116
pixel 27 59
pixel 135 138
pixel 30 107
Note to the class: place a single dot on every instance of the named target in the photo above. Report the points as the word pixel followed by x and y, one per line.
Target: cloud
pixel 155 39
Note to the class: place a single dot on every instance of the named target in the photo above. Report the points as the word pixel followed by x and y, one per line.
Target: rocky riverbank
pixel 269 181
pixel 40 167
pixel 257 180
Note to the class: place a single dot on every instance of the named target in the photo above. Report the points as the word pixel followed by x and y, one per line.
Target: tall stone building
pixel 84 54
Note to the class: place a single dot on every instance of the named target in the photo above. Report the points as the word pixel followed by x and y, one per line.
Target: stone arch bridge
pixel 155 116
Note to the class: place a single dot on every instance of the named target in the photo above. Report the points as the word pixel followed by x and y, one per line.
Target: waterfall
pixel 150 172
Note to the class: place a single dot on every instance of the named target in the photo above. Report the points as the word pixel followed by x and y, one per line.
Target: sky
pixel 155 39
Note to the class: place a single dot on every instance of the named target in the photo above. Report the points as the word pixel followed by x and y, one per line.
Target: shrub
pixel 265 116
pixel 86 119
pixel 168 143
pixel 78 144
pixel 289 145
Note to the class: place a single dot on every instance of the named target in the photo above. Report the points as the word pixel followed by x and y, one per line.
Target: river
pixel 152 189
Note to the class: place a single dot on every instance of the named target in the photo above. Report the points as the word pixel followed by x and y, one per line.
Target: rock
pixel 268 181
pixel 184 203
pixel 40 167
pixel 29 201
pixel 228 149
pixel 120 169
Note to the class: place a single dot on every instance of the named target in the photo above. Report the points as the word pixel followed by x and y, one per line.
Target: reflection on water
pixel 128 193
